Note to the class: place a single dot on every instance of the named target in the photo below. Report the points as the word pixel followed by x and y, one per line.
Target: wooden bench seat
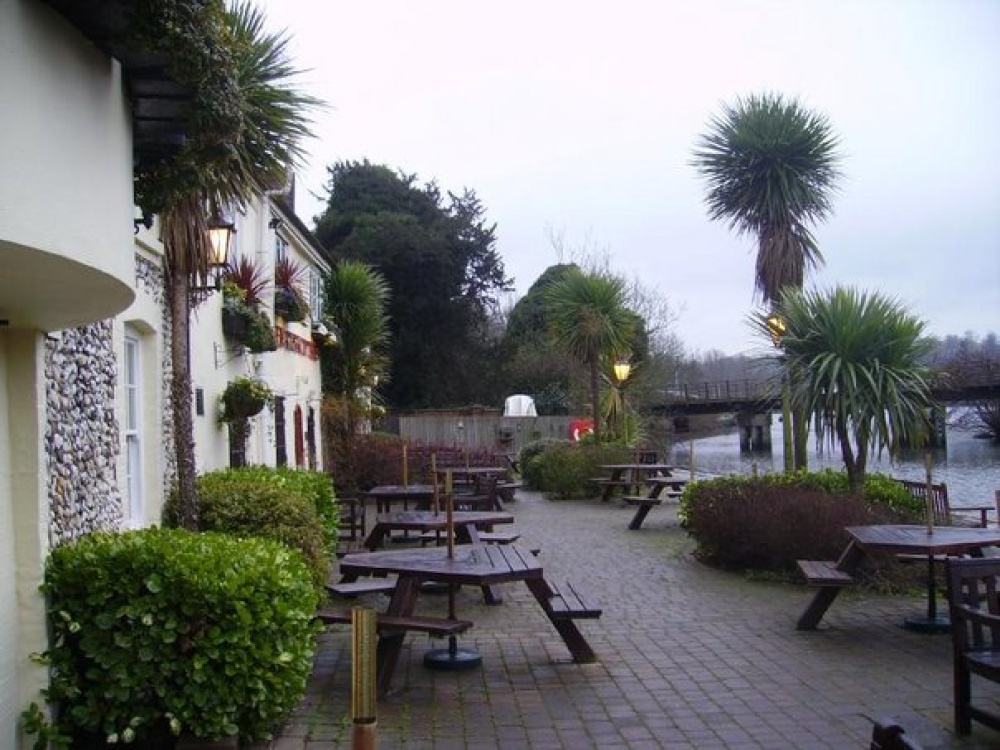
pixel 824 573
pixel 498 537
pixel 350 547
pixel 362 586
pixel 438 627
pixel 605 482
pixel 568 603
pixel 506 490
pixel 642 500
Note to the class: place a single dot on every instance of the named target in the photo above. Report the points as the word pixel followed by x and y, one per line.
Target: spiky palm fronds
pixel 771 167
pixel 249 276
pixel 855 362
pixel 356 300
pixel 589 319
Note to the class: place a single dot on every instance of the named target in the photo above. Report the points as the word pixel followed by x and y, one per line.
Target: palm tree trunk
pixel 595 401
pixel 180 399
pixel 800 434
pixel 787 449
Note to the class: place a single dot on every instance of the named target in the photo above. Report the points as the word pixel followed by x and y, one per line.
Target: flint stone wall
pixel 82 435
pixel 150 280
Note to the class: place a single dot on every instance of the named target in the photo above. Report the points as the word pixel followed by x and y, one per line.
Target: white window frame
pixel 280 247
pixel 132 432
pixel 316 295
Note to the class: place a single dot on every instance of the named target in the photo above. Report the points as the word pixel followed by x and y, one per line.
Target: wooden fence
pixel 481 429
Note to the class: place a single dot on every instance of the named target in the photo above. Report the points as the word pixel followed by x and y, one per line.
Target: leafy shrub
pixel 769 522
pixel 373 459
pixel 314 486
pixel 564 469
pixel 160 631
pixel 529 473
pixel 256 501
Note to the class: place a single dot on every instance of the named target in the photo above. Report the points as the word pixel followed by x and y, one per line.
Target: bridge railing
pixel 722 391
pixel 970 382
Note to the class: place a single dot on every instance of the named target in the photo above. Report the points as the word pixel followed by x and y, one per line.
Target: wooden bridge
pixel 981 383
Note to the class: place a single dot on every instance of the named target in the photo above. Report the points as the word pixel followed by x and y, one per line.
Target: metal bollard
pixel 363 667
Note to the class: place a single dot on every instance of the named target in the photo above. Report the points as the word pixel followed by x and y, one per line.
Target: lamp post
pixel 622 369
pixel 220 237
pixel 777 328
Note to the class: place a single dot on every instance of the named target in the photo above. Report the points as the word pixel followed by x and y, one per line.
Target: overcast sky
pixel 577 119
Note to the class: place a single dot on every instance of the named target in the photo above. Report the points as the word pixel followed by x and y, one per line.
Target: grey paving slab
pixel 690 657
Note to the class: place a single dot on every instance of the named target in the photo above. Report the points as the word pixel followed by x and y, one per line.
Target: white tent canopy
pixel 519 405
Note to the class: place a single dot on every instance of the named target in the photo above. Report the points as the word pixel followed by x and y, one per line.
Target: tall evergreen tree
pixel 438 256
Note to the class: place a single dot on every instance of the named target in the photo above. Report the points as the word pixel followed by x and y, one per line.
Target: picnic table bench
pixel 436 627
pixel 472 564
pixel 568 603
pixel 661 488
pixel 372 585
pixel 627 477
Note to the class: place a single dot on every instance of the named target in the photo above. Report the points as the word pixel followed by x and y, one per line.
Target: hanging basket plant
pixel 243 398
pixel 290 279
pixel 244 322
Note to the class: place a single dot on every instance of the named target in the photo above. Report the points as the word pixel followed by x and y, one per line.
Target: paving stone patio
pixel 690 657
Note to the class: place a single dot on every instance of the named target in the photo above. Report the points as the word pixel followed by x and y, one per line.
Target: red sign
pixel 580 427
pixel 297 344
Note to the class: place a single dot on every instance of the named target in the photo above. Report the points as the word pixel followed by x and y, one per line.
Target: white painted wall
pixel 65 185
pixel 23 501
pixel 65 230
pixel 215 362
pixel 8 601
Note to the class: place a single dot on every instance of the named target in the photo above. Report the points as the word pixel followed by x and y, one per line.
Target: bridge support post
pixel 755 431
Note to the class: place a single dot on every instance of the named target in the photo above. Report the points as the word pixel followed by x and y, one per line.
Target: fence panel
pixel 480 430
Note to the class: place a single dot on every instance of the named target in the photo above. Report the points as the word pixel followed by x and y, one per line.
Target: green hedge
pixel 271 503
pixel 564 469
pixel 769 522
pixel 161 631
pixel 314 486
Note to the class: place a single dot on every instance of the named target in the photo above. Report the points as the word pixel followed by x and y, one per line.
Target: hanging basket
pixel 243 398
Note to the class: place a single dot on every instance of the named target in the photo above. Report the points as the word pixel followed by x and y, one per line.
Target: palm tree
pixel 771 166
pixel 356 299
pixel 590 321
pixel 273 117
pixel 855 361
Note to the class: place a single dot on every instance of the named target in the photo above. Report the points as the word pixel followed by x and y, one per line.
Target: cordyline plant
pixel 855 363
pixel 245 149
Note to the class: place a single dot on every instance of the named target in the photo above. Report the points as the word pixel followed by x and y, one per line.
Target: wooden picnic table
pixel 466 524
pixel 472 565
pixel 469 473
pixel 419 496
pixel 645 503
pixel 891 539
pixel 628 477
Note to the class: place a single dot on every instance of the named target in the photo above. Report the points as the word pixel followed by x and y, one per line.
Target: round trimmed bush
pixel 254 502
pixel 162 631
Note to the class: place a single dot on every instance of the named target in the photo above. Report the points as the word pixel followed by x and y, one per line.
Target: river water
pixel 969 465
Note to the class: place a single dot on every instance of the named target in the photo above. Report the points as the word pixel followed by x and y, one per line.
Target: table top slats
pixel 911 538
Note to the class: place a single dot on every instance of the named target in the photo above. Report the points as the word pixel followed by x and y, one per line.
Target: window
pixel 133 427
pixel 280 248
pixel 316 295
